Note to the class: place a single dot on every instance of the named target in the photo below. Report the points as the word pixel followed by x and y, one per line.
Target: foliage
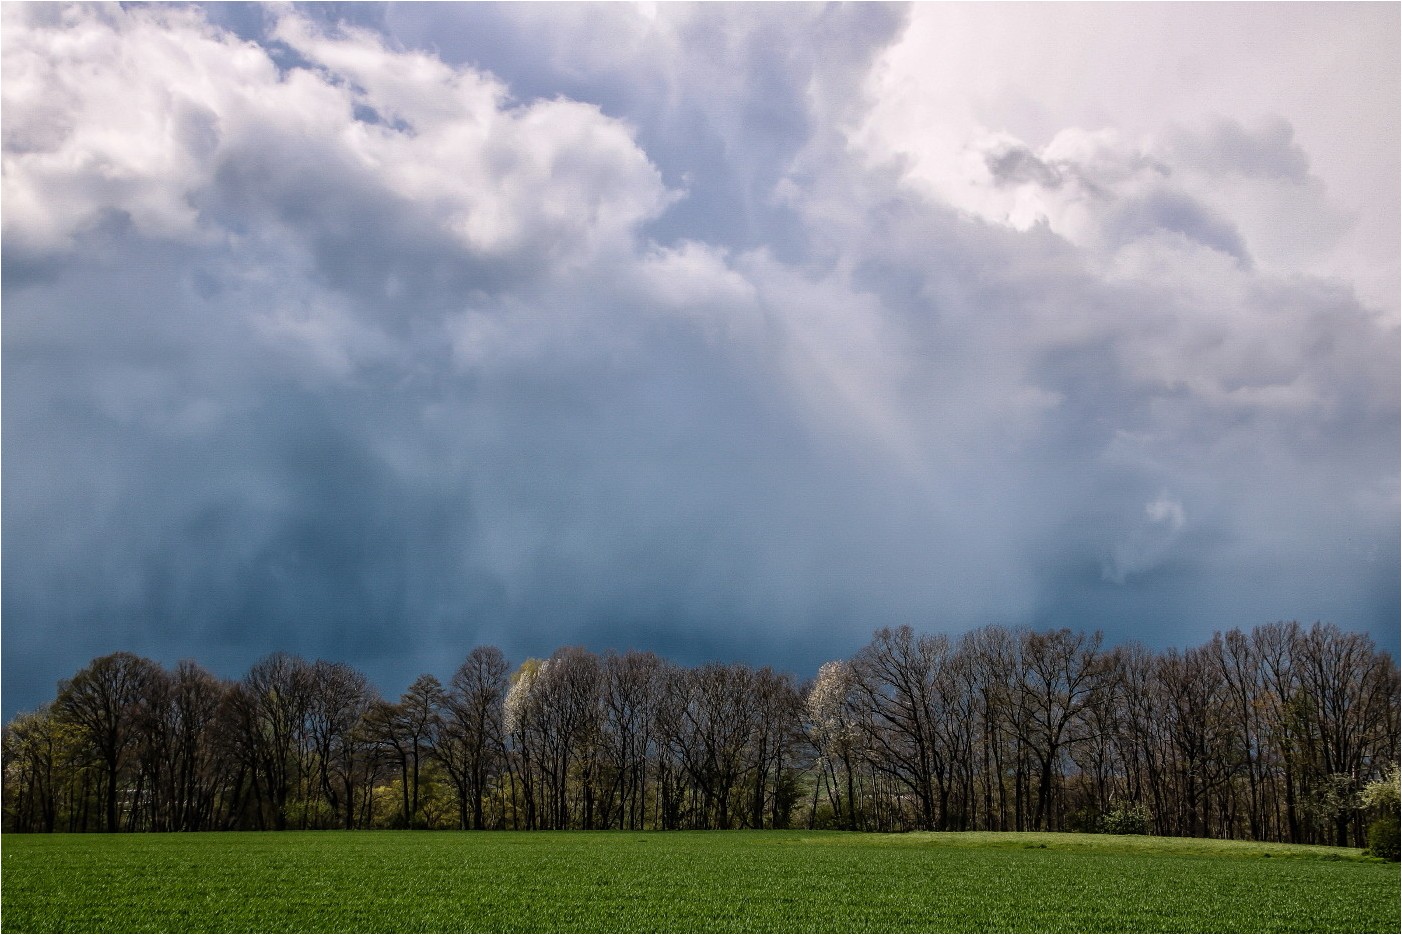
pixel 1385 832
pixel 1126 818
pixel 1385 838
pixel 745 881
pixel 1384 795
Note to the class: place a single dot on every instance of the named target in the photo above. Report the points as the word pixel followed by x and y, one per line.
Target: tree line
pixel 1268 735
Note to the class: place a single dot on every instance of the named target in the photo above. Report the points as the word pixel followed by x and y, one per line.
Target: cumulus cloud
pixel 699 329
pixel 1249 117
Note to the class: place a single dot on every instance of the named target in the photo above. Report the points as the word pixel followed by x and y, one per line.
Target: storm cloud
pixel 730 332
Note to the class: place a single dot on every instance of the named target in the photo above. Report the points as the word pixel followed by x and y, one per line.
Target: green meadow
pixel 793 881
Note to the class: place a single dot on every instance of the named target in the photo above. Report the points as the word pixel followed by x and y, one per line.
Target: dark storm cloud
pixel 577 326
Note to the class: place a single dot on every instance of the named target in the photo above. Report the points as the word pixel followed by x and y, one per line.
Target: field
pixel 684 881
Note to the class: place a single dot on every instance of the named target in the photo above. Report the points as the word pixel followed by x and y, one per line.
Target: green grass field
pixel 684 881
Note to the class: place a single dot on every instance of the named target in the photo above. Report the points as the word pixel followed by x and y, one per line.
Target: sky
pixel 731 332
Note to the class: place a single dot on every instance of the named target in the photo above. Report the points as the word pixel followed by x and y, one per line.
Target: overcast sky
pixel 729 332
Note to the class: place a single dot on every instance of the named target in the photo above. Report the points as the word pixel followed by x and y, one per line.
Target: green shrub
pixel 1084 820
pixel 1383 838
pixel 1125 819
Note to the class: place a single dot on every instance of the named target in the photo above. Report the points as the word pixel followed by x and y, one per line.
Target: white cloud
pixel 109 112
pixel 1166 511
pixel 373 159
pixel 1256 112
pixel 137 111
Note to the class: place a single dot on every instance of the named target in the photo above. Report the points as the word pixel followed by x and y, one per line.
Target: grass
pixel 685 881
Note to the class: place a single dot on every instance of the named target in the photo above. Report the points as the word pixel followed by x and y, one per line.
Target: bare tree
pixel 269 708
pixel 104 701
pixel 896 674
pixel 1242 678
pixel 631 685
pixel 717 720
pixel 408 730
pixel 992 660
pixel 471 741
pixel 1061 675
pixel 1347 691
pixel 1274 647
pixel 673 741
pixel 569 718
pixel 770 753
pixel 1196 720
pixel 340 699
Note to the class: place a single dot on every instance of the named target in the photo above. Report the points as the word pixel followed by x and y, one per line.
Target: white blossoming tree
pixel 834 722
pixel 520 709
